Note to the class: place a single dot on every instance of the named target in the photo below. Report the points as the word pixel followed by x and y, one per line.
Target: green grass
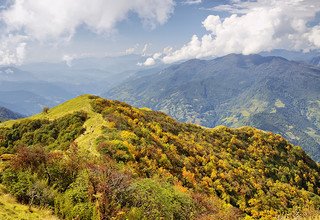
pixel 93 128
pixel 93 125
pixel 10 209
pixel 81 103
pixel 279 104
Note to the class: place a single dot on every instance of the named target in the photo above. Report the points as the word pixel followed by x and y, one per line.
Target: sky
pixel 161 31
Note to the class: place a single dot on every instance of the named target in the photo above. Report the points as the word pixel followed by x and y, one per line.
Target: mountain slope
pixel 6 114
pixel 22 92
pixel 315 61
pixel 270 93
pixel 23 101
pixel 96 157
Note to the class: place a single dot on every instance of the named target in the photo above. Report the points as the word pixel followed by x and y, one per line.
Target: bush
pixel 45 110
pixel 75 203
pixel 28 188
pixel 156 200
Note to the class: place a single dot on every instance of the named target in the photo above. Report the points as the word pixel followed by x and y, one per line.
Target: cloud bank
pixel 12 50
pixel 253 27
pixel 57 20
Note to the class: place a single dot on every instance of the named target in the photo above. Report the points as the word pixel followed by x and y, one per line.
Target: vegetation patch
pixel 148 166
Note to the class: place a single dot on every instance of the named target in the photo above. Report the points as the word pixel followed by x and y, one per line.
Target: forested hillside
pixel 270 93
pixel 92 158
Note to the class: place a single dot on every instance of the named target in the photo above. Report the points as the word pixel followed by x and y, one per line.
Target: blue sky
pixel 168 30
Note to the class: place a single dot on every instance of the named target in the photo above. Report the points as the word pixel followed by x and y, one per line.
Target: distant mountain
pixel 24 102
pixel 315 61
pixel 115 64
pixel 292 55
pixel 13 74
pixel 270 93
pixel 6 114
pixel 48 84
pixel 87 75
pixel 23 92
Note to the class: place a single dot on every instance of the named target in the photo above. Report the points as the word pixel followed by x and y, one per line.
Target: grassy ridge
pixel 129 163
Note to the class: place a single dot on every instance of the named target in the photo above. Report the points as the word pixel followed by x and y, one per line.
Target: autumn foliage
pixel 150 166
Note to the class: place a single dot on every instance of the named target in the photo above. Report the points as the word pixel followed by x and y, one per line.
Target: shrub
pixel 45 110
pixel 75 203
pixel 156 200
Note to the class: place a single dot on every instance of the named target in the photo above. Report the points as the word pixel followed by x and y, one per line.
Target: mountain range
pixel 270 93
pixel 24 93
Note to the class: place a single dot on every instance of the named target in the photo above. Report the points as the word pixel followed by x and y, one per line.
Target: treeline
pixel 56 134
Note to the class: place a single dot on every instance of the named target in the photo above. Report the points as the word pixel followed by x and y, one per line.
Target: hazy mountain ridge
pixel 25 93
pixel 28 88
pixel 7 114
pixel 315 61
pixel 271 93
pixel 87 74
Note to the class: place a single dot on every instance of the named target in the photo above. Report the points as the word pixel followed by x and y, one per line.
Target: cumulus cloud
pixel 149 62
pixel 314 36
pixel 130 50
pixel 67 58
pixel 145 49
pixel 191 2
pixel 156 56
pixel 58 20
pixel 12 50
pixel 253 27
pixel 51 19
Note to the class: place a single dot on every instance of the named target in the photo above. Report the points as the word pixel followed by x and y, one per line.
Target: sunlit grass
pixel 10 209
pixel 81 103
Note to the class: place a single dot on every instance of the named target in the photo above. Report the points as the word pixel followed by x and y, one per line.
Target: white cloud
pixel 68 59
pixel 314 36
pixel 145 49
pixel 253 27
pixel 156 56
pixel 191 2
pixel 12 50
pixel 167 50
pixel 53 21
pixel 60 18
pixel 149 62
pixel 130 50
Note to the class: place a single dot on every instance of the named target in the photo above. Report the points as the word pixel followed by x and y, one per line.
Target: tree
pixel 45 110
